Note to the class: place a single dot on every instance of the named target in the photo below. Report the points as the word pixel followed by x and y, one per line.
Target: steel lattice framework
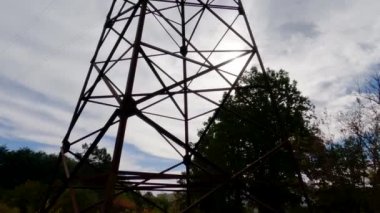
pixel 163 67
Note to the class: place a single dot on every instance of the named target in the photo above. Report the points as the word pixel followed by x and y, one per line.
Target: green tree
pixel 25 175
pixel 99 159
pixel 361 123
pixel 99 156
pixel 26 197
pixel 84 198
pixel 16 167
pixel 352 164
pixel 235 141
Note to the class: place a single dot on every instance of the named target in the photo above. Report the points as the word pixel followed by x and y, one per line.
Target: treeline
pixel 334 170
pixel 350 164
pixel 26 176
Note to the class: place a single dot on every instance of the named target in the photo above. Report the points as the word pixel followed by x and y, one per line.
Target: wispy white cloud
pixel 46 46
pixel 326 46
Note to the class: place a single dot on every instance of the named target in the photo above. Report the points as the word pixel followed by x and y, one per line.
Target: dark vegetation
pixel 341 174
pixel 26 174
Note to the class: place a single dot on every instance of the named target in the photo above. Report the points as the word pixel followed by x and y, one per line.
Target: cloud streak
pixel 46 48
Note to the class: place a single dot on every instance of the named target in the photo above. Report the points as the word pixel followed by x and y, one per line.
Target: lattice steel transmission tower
pixel 160 70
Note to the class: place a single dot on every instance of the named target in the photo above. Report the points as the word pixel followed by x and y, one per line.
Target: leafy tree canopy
pixel 252 123
pixel 16 167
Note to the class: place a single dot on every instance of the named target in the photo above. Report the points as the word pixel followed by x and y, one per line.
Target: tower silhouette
pixel 160 70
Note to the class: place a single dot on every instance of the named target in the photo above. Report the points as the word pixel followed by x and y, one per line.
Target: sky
pixel 328 47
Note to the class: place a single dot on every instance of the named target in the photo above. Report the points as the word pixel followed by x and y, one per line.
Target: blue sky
pixel 329 47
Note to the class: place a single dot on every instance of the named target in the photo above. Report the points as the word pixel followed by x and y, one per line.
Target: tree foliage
pixel 351 165
pixel 16 167
pixel 234 141
pixel 25 175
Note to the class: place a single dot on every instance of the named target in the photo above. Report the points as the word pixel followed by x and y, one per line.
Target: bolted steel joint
pixel 183 50
pixel 109 23
pixel 241 10
pixel 65 146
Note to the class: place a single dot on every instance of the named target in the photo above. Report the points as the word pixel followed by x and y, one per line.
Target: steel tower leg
pixel 127 109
